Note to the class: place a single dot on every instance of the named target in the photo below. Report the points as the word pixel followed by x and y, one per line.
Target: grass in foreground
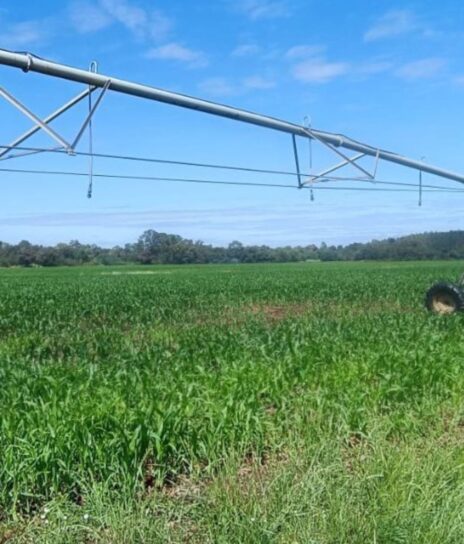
pixel 289 403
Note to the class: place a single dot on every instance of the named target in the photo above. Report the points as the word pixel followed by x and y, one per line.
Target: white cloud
pixel 130 16
pixel 318 70
pixel 423 68
pixel 143 24
pixel 159 25
pixel 217 86
pixel 178 52
pixel 246 50
pixel 258 82
pixel 24 34
pixel 221 86
pixel 374 67
pixel 393 23
pixel 312 67
pixel 262 9
pixel 86 17
pixel 304 51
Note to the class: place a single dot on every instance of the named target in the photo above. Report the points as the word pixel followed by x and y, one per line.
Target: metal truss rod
pixel 334 168
pixel 337 152
pixel 28 113
pixel 297 160
pixel 90 114
pixel 29 153
pixel 47 120
pixel 28 62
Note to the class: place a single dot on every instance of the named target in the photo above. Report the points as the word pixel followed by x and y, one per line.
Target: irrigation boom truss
pixel 441 297
pixel 335 142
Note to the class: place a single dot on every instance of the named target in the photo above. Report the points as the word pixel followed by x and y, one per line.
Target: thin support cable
pixel 192 164
pixel 165 161
pixel 221 182
pixel 328 179
pixel 325 180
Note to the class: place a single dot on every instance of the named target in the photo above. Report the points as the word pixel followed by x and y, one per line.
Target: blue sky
pixel 387 73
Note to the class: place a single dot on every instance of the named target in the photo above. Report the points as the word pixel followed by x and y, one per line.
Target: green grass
pixel 312 403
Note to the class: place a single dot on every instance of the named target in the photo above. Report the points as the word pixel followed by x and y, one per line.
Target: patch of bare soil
pixel 453 431
pixel 174 486
pixel 274 313
pixel 256 471
pixel 184 488
pixel 354 452
pixel 278 312
pixel 7 535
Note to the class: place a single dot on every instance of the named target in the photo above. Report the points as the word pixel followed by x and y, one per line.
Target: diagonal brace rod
pixel 28 153
pixel 90 115
pixel 28 113
pixel 338 152
pixel 26 135
pixel 297 161
pixel 333 168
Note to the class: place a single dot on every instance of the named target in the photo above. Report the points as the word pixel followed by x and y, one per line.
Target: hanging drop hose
pixel 307 124
pixel 93 69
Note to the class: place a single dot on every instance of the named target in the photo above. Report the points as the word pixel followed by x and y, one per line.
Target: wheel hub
pixel 443 303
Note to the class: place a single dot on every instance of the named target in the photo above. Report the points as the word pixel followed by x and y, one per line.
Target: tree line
pixel 154 247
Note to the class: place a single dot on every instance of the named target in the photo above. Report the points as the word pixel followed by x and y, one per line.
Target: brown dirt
pixel 274 313
pixel 453 431
pixel 256 471
pixel 278 312
pixel 184 488
pixel 354 452
pixel 7 535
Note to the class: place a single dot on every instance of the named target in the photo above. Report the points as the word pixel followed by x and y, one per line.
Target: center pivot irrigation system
pixel 442 297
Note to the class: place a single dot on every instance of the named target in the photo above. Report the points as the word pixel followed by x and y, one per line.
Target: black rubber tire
pixel 444 298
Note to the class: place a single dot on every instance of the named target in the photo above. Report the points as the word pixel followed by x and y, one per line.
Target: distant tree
pixel 235 251
pixel 154 247
pixel 26 253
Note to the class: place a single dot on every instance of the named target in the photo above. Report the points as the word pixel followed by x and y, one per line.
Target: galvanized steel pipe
pixel 28 62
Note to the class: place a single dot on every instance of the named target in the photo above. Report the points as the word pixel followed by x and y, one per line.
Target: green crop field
pixel 300 403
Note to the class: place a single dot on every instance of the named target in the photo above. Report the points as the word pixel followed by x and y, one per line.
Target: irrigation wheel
pixel 444 298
